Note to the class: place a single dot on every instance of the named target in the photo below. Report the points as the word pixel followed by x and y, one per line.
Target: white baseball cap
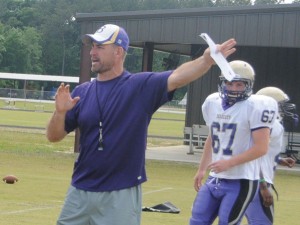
pixel 108 34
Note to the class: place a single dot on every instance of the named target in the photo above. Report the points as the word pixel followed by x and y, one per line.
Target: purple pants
pixel 257 213
pixel 223 198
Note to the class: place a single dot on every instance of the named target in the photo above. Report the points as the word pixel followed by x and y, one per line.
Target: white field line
pixel 27 210
pixel 160 190
pixel 30 209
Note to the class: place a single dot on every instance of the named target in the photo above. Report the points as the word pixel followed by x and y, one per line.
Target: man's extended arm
pixel 195 69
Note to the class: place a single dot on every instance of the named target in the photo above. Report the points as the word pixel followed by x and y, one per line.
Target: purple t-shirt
pixel 124 106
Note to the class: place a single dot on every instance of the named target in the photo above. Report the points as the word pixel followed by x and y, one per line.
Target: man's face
pixel 102 57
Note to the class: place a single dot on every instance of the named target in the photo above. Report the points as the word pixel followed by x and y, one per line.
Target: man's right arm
pixel 55 130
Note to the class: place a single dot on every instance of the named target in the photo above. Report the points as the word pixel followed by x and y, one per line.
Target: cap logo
pixel 101 29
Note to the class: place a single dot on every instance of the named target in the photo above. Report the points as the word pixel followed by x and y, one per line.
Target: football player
pixel 239 133
pixel 261 210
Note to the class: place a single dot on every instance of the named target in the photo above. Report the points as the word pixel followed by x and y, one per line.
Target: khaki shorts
pixel 102 208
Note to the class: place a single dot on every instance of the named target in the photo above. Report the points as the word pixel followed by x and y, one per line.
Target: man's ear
pixel 119 51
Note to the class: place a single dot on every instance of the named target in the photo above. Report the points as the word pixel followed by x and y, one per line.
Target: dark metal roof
pixel 175 30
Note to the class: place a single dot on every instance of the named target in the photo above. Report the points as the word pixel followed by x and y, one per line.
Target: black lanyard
pixel 101 109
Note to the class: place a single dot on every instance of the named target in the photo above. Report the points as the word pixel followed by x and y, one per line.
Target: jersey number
pixel 267 116
pixel 216 128
pixel 226 127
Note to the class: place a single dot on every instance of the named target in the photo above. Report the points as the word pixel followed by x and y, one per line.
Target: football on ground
pixel 10 179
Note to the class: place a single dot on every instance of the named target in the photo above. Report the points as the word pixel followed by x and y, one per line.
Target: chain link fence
pixel 26 94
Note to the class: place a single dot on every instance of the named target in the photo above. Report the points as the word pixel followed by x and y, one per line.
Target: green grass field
pixel 44 178
pixel 44 171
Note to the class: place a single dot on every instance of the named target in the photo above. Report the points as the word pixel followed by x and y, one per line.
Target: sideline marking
pixel 163 189
pixel 27 210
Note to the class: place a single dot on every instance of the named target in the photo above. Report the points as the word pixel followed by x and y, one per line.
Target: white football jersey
pixel 269 161
pixel 230 130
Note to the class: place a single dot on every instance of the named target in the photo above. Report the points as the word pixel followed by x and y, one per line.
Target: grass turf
pixel 44 178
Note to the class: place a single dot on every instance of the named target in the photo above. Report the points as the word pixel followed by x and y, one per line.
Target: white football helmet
pixel 284 107
pixel 243 72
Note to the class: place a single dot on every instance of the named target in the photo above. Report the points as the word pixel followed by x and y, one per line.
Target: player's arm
pixel 55 130
pixel 195 69
pixel 289 162
pixel 260 139
pixel 259 148
pixel 265 192
pixel 260 135
pixel 204 161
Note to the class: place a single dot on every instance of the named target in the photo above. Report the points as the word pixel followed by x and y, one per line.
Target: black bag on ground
pixel 166 207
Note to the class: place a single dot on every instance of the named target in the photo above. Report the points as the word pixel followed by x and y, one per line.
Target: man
pixel 239 125
pixel 113 112
pixel 261 210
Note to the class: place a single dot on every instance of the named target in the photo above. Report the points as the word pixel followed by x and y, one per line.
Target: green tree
pixel 23 52
pixel 30 16
pixel 118 5
pixel 32 40
pixel 2 47
pixel 196 3
pixel 11 12
pixel 61 37
pixel 232 2
pixel 268 2
pixel 158 4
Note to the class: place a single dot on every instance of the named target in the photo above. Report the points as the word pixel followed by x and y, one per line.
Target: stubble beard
pixel 101 68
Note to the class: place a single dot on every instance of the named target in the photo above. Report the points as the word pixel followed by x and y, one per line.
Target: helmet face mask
pixel 243 73
pixel 286 110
